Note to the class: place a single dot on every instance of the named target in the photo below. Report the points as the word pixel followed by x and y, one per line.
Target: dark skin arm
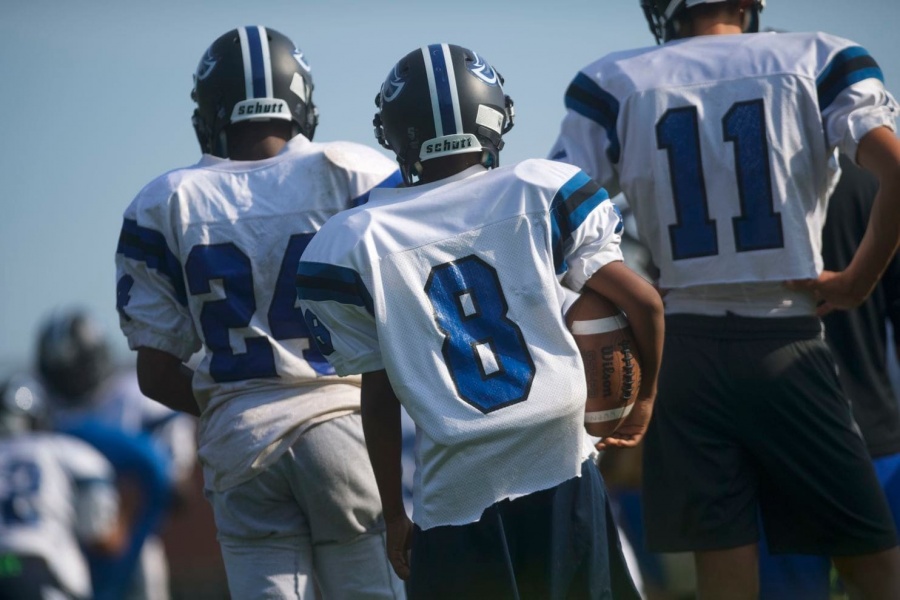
pixel 381 426
pixel 164 378
pixel 878 152
pixel 643 305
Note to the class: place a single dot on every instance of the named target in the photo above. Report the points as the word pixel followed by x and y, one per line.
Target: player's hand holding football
pixel 644 308
pixel 632 430
pixel 399 538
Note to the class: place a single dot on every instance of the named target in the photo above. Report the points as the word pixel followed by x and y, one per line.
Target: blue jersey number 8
pixel 484 350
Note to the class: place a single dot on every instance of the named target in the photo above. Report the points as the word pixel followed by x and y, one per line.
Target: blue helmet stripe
pixel 442 78
pixel 257 64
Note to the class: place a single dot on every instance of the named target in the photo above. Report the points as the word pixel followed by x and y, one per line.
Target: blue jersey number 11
pixel 694 234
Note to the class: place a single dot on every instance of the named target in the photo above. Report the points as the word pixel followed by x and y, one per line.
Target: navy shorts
pixel 751 422
pixel 556 543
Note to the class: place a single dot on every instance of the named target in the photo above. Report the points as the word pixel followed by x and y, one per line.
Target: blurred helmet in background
pixel 73 354
pixel 22 405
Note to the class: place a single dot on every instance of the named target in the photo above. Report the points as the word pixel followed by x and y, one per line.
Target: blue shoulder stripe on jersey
pixel 442 83
pixel 256 62
pixel 321 282
pixel 149 246
pixel 394 180
pixel 850 66
pixel 588 99
pixel 569 209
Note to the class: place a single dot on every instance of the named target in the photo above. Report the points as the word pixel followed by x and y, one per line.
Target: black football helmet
pixel 22 405
pixel 663 16
pixel 251 73
pixel 73 355
pixel 441 100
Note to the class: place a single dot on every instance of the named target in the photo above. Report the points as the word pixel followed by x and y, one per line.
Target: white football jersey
pixel 208 255
pixel 456 289
pixel 724 146
pixel 55 491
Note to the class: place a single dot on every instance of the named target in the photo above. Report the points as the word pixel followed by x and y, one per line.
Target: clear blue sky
pixel 96 103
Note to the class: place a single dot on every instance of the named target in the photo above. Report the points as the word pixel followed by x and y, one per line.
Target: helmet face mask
pixel 663 16
pixel 442 100
pixel 251 73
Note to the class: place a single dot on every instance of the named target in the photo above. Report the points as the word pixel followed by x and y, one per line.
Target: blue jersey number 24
pixel 229 264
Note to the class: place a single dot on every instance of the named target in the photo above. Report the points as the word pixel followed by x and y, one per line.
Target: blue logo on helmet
pixel 298 55
pixel 207 64
pixel 483 71
pixel 393 86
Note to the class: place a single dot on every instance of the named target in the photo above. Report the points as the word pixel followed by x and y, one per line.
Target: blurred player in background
pixel 448 295
pixel 57 494
pixel 152 447
pixel 724 145
pixel 859 340
pixel 859 337
pixel 206 260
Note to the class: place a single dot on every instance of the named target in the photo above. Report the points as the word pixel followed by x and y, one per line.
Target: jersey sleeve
pixel 588 136
pixel 587 230
pixel 150 287
pixel 852 97
pixel 338 311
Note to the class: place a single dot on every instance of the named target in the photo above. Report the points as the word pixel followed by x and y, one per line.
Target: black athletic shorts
pixel 560 543
pixel 750 421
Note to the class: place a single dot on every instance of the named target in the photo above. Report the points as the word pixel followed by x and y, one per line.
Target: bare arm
pixel 878 152
pixel 381 425
pixel 644 308
pixel 164 378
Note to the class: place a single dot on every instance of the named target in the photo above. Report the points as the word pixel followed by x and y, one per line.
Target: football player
pixel 725 147
pixel 152 448
pixel 57 494
pixel 448 295
pixel 206 262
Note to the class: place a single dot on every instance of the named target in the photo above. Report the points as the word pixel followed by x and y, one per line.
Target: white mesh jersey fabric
pixel 467 305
